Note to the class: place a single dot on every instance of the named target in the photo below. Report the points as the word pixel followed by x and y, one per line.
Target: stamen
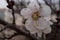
pixel 35 16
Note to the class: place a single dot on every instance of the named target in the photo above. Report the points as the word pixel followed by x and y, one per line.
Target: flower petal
pixel 26 12
pixel 31 8
pixel 34 6
pixel 47 30
pixel 42 24
pixel 29 26
pixel 45 11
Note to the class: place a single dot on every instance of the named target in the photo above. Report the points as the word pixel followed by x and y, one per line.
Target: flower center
pixel 35 16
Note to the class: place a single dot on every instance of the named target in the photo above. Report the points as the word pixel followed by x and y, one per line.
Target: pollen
pixel 35 16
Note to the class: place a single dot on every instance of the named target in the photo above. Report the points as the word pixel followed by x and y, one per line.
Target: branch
pixel 48 4
pixel 13 17
pixel 59 4
pixel 14 27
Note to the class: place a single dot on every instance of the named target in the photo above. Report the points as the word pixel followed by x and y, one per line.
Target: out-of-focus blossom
pixel 19 4
pixel 9 18
pixel 3 4
pixel 53 17
pixel 8 32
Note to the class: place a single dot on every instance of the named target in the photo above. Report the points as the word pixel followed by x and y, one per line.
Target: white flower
pixel 34 23
pixel 17 7
pixel 9 18
pixel 53 17
pixel 8 32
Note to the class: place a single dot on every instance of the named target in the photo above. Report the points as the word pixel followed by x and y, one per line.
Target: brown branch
pixel 48 4
pixel 13 17
pixel 11 26
pixel 14 27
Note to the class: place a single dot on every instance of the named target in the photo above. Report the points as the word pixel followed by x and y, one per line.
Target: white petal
pixel 39 33
pixel 45 11
pixel 29 26
pixel 34 6
pixel 43 24
pixel 26 12
pixel 47 30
